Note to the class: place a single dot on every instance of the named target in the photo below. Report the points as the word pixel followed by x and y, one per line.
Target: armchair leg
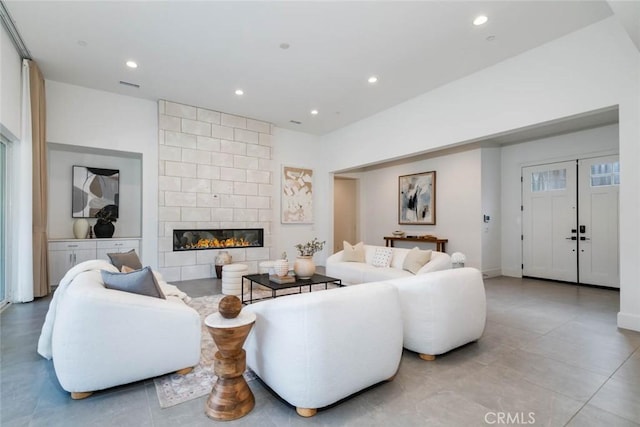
pixel 306 412
pixel 184 371
pixel 77 395
pixel 427 357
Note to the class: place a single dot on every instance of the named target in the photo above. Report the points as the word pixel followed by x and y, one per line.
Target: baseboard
pixel 512 272
pixel 491 273
pixel 629 321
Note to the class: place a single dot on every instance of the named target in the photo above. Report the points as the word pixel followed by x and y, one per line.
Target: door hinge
pixel 521 208
pixel 522 237
pixel 521 179
pixel 522 266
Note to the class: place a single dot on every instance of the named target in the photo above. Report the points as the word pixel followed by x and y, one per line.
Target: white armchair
pixel 442 310
pixel 316 348
pixel 101 337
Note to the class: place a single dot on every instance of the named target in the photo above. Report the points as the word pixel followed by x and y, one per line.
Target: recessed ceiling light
pixel 285 46
pixel 491 38
pixel 314 112
pixel 372 79
pixel 239 92
pixel 480 19
pixel 132 64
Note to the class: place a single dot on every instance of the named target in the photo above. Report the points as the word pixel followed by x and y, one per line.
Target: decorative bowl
pixel 398 233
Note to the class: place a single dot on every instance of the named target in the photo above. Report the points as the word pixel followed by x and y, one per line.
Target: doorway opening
pixel 345 212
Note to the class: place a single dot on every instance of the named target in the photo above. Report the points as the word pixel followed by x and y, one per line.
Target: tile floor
pixel 551 355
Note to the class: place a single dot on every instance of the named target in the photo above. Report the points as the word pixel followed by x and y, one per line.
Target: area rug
pixel 173 389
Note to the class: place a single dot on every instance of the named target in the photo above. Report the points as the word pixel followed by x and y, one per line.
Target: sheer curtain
pixel 22 234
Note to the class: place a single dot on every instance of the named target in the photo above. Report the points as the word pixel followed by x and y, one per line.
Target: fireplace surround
pixel 226 238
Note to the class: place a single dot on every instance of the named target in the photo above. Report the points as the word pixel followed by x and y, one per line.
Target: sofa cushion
pixel 382 257
pixel 141 282
pixel 130 259
pixel 353 253
pixel 416 259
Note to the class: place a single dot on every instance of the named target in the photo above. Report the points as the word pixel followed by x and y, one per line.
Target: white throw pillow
pixel 382 257
pixel 416 259
pixel 353 253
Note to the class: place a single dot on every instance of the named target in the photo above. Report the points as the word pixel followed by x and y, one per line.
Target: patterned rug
pixel 173 389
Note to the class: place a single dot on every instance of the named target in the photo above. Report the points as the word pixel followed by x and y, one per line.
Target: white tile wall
pixel 215 171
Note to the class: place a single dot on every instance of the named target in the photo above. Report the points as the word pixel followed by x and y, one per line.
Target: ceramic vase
pixel 80 228
pixel 105 229
pixel 304 267
pixel 281 267
pixel 223 258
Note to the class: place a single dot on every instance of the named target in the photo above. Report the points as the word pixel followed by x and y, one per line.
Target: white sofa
pixel 353 273
pixel 99 338
pixel 442 310
pixel 316 348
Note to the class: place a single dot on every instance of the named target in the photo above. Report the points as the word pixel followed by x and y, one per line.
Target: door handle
pixel 584 238
pixel 571 238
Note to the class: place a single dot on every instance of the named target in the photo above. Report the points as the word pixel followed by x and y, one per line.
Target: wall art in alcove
pixel 93 189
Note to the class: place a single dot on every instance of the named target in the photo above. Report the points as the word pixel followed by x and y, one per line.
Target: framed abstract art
pixel 297 195
pixel 417 199
pixel 93 189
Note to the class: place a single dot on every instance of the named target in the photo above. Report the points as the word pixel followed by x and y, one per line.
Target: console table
pixel 438 242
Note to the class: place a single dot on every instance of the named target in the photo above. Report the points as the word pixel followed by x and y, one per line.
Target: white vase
pixel 304 267
pixel 80 228
pixel 281 267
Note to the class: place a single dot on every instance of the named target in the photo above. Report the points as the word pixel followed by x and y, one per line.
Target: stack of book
pixel 282 279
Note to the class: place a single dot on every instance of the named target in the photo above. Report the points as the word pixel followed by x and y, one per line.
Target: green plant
pixel 107 214
pixel 310 248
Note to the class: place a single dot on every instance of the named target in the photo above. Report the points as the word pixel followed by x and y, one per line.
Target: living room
pixel 586 73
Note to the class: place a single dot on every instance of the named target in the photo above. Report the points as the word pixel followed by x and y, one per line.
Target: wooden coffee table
pixel 263 279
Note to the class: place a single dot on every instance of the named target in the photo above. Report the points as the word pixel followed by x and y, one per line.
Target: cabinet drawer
pixel 118 244
pixel 71 245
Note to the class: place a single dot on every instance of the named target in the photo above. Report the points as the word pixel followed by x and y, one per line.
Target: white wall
pixel 458 206
pixel 92 118
pixel 588 70
pixel 61 161
pixel 491 205
pixel 10 87
pixel 587 143
pixel 291 148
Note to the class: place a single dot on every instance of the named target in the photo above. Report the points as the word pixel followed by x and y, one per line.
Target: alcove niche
pixel 60 161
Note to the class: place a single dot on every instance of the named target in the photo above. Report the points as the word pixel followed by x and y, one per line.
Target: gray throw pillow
pixel 130 259
pixel 140 282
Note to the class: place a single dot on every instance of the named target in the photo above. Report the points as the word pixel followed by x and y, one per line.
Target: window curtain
pixel 39 183
pixel 22 212
pixel 30 276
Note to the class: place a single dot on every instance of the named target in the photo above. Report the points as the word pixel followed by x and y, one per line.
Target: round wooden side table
pixel 230 397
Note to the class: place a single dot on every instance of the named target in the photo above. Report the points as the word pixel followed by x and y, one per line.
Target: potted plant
pixel 304 266
pixel 106 217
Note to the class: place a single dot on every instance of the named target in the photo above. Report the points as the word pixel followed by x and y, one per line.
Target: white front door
pixel 599 184
pixel 570 221
pixel 549 234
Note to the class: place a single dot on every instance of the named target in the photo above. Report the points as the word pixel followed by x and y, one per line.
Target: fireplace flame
pixel 215 243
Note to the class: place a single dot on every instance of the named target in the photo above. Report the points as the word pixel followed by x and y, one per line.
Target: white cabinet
pixel 64 254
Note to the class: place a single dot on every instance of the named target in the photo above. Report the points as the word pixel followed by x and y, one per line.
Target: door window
pixel 605 174
pixel 549 180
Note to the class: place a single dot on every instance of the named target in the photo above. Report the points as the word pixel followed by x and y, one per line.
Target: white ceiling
pixel 198 53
